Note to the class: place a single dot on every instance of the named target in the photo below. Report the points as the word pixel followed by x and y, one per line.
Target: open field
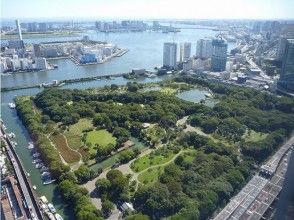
pixel 150 160
pixel 68 154
pixel 102 137
pixel 150 176
pixel 75 132
pixel 254 136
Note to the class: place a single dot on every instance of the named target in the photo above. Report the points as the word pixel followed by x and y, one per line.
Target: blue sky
pixel 181 9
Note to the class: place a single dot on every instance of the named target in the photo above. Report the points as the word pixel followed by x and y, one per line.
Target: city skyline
pixel 160 9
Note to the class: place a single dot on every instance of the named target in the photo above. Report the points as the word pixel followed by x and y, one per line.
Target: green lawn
pixel 150 176
pixel 75 132
pixel 102 137
pixel 150 160
pixel 168 91
pixel 254 136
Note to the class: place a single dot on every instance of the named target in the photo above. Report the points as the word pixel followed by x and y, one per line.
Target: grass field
pixel 168 91
pixel 75 132
pixel 150 176
pixel 254 136
pixel 68 154
pixel 150 160
pixel 102 137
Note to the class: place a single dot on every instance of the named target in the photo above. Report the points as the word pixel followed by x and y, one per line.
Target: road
pixel 28 197
pixel 257 196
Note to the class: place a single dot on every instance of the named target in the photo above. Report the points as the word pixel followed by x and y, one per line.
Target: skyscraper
pixel 286 81
pixel 18 29
pixel 219 55
pixel 170 54
pixel 37 50
pixel 204 48
pixel 185 51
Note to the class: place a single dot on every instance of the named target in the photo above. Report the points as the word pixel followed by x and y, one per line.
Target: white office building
pixel 185 51
pixel 41 63
pixel 170 54
pixel 204 48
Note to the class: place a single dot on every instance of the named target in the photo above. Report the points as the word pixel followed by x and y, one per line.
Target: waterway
pixel 145 52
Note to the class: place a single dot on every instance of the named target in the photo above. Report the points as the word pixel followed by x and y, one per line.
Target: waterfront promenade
pixel 260 192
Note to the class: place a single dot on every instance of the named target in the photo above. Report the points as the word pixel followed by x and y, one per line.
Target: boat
pixel 58 217
pixel 51 208
pixel 39 165
pixel 34 187
pixel 50 216
pixel 11 135
pixel 36 161
pixel 11 105
pixel 31 145
pixel 49 181
pixel 36 154
pixel 44 169
pixel 45 174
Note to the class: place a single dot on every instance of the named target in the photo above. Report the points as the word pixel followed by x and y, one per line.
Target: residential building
pixel 37 50
pixel 185 51
pixel 32 27
pixel 170 55
pixel 219 55
pixel 41 63
pixel 43 27
pixel 204 48
pixel 286 81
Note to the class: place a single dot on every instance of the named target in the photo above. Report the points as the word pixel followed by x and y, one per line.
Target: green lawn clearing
pixel 101 137
pixel 150 160
pixel 150 176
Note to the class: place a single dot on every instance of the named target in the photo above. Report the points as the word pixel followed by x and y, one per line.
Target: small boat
pixel 48 181
pixel 28 174
pixel 58 217
pixel 45 174
pixel 34 187
pixel 11 105
pixel 36 161
pixel 11 135
pixel 36 154
pixel 51 208
pixel 50 216
pixel 13 143
pixel 44 169
pixel 39 165
pixel 31 145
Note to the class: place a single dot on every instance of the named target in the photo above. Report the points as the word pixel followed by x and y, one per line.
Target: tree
pixel 103 185
pixel 84 174
pixel 107 206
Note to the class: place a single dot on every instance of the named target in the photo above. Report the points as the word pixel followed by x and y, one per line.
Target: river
pixel 145 52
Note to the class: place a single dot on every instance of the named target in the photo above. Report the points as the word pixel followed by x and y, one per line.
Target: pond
pixel 196 95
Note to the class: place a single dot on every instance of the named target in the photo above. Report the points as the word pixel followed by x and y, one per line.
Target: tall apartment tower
pixel 219 55
pixel 204 48
pixel 286 81
pixel 170 55
pixel 185 51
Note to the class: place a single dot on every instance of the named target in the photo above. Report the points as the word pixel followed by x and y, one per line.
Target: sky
pixel 150 9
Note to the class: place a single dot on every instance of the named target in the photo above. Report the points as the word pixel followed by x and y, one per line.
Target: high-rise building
pixel 286 81
pixel 156 25
pixel 32 27
pixel 37 50
pixel 219 55
pixel 204 48
pixel 170 54
pixel 41 63
pixel 185 51
pixel 43 27
pixel 18 29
